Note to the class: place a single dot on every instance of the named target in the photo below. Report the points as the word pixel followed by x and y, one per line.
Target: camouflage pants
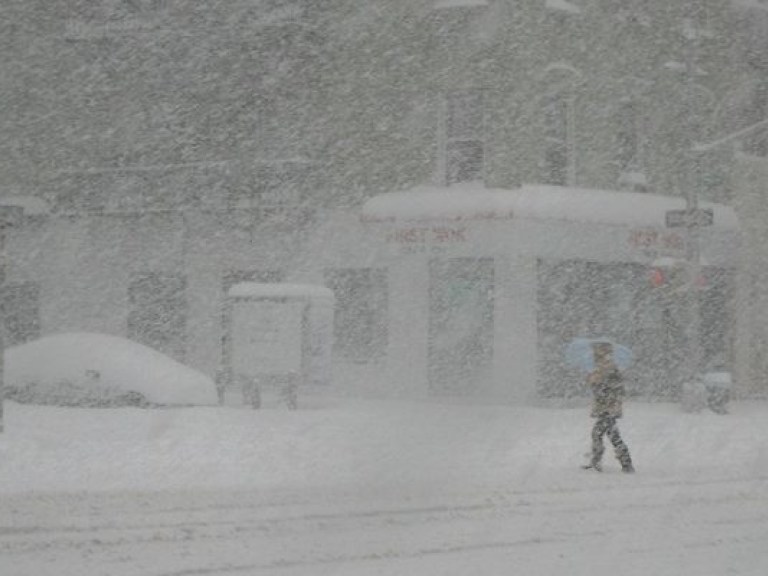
pixel 606 426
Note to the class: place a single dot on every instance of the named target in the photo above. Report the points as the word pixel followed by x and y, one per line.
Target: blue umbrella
pixel 579 354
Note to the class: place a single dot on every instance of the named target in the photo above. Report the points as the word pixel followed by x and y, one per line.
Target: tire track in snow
pixel 98 530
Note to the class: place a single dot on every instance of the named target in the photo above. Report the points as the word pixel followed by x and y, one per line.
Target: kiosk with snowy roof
pixel 279 335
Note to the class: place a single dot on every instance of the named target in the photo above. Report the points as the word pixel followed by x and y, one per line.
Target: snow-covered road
pixel 627 525
pixel 380 488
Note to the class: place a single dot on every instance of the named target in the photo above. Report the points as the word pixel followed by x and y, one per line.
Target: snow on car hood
pixel 106 362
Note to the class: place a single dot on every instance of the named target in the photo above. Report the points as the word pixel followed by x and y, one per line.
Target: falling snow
pixel 287 285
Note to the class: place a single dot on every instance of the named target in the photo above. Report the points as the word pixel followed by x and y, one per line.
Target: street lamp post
pixel 693 218
pixel 692 221
pixel 10 216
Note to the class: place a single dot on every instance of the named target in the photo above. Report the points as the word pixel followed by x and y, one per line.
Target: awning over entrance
pixel 535 202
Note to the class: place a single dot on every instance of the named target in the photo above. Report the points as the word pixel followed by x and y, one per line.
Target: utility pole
pixel 693 219
pixel 9 216
pixel 693 259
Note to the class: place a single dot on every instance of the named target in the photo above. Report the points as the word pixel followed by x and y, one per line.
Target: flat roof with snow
pixel 279 290
pixel 470 202
pixel 563 6
pixel 440 4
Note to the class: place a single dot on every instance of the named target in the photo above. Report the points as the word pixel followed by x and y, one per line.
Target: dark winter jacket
pixel 607 392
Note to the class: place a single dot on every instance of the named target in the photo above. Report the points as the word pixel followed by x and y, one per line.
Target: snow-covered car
pixel 87 369
pixel 712 390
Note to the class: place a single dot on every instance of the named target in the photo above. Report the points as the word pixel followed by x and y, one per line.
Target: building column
pixel 515 330
pixel 408 348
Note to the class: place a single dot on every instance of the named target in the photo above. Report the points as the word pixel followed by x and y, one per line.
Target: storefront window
pixel 20 309
pixel 578 298
pixel 360 320
pixel 158 313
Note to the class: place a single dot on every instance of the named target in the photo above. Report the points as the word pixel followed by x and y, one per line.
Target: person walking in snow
pixel 607 385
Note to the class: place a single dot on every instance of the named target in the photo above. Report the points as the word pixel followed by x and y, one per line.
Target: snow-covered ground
pixel 345 487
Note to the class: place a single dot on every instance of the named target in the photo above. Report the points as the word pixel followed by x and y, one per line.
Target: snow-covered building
pixel 459 291
pixel 487 287
pixel 183 148
pixel 604 94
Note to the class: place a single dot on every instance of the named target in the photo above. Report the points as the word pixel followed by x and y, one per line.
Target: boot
pixel 622 455
pixel 626 463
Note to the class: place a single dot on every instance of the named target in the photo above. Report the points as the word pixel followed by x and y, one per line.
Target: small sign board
pixel 267 336
pixel 685 218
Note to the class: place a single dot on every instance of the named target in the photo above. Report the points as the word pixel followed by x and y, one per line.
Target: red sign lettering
pixel 424 235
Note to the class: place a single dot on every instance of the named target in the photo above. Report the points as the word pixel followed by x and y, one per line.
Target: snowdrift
pixel 86 369
pixel 373 447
